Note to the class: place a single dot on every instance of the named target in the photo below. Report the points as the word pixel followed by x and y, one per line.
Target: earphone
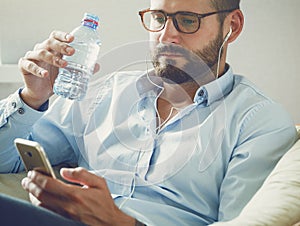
pixel 220 50
pixel 228 35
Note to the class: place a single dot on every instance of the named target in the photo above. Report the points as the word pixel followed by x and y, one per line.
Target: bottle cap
pixel 91 20
pixel 91 16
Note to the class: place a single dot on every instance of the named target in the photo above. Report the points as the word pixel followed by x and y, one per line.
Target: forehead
pixel 170 6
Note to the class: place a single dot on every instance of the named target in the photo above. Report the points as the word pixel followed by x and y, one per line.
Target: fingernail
pixel 59 61
pixel 69 50
pixel 68 36
pixel 43 73
pixel 24 182
pixel 56 60
pixel 29 174
pixel 66 171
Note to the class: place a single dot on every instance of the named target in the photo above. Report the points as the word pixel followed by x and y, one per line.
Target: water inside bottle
pixel 85 54
pixel 72 80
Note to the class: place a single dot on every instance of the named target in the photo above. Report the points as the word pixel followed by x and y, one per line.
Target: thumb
pixel 82 176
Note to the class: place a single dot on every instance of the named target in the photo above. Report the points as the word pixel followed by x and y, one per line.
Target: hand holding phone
pixel 33 156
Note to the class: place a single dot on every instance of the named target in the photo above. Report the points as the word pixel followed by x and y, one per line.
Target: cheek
pixel 153 41
pixel 194 43
pixel 154 36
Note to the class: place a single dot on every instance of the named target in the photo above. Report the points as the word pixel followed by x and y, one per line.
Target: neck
pixel 179 96
pixel 220 68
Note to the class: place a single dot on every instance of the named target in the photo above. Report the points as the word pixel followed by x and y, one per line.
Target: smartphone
pixel 33 156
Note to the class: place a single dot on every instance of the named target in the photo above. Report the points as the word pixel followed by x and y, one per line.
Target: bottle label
pixel 90 23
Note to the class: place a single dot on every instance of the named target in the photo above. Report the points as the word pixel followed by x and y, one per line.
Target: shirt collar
pixel 206 94
pixel 215 90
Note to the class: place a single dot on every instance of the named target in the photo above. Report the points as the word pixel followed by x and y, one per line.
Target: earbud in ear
pixel 228 35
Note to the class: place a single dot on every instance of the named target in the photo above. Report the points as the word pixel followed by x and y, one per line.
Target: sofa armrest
pixel 10 184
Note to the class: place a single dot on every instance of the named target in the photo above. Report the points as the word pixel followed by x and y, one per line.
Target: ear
pixel 235 20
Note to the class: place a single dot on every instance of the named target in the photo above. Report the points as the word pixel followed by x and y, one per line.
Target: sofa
pixel 276 203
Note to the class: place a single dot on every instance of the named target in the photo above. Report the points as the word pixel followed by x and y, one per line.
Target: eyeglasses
pixel 185 22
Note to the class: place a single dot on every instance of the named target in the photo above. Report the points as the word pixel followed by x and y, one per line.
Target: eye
pixel 188 20
pixel 158 18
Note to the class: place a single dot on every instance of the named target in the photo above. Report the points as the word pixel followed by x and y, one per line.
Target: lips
pixel 169 55
pixel 170 51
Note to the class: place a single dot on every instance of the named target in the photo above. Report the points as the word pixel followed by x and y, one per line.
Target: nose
pixel 169 34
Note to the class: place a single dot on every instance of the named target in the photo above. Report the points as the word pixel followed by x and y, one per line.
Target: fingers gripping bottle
pixel 72 81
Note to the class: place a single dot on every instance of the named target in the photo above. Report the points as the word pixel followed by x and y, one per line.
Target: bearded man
pixel 185 143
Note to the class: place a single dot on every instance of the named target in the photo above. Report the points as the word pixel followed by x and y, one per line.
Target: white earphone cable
pixel 220 51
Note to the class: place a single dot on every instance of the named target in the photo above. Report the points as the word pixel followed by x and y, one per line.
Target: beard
pixel 193 66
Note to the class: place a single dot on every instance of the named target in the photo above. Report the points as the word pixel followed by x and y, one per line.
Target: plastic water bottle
pixel 72 81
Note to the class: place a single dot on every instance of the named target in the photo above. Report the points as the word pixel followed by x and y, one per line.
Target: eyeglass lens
pixel 184 22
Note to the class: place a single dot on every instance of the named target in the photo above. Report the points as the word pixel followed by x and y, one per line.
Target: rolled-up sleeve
pixel 16 120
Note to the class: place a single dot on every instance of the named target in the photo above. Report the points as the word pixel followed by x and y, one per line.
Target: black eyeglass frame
pixel 173 16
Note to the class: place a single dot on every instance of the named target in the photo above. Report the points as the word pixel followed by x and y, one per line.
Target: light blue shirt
pixel 202 166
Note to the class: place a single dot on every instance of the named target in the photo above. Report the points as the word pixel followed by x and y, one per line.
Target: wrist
pixel 124 219
pixel 32 101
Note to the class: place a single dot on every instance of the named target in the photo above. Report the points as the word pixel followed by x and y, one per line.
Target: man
pixel 188 143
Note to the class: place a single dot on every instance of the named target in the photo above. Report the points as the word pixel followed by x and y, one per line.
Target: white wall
pixel 23 23
pixel 267 52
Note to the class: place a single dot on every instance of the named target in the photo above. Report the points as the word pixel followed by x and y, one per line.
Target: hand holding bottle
pixel 72 55
pixel 72 80
pixel 40 67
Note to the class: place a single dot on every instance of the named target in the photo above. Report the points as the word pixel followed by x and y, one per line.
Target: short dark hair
pixel 224 5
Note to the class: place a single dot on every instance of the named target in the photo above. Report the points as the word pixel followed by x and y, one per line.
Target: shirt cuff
pixel 21 112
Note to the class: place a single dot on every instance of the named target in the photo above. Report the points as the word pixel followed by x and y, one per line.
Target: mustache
pixel 170 48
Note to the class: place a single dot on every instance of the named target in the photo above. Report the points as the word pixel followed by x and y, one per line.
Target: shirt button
pixel 14 104
pixel 21 111
pixel 201 93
